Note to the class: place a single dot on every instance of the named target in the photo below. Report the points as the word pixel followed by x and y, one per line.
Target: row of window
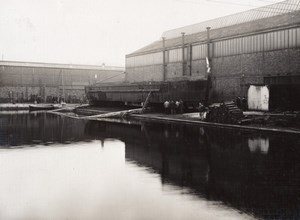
pixel 250 44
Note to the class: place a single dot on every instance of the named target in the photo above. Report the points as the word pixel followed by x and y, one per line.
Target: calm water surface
pixel 52 167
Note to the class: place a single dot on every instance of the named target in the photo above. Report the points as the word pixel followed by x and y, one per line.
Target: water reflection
pixel 39 128
pixel 259 144
pixel 255 174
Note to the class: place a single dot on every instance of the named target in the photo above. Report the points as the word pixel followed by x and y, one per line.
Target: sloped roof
pixel 254 20
pixel 238 18
pixel 59 66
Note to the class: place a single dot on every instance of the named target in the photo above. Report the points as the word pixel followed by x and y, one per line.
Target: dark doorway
pixel 284 97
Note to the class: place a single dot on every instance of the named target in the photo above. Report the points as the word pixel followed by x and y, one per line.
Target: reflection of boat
pixel 42 107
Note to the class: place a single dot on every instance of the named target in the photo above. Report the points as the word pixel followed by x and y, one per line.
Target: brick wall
pixel 174 71
pixel 144 73
pixel 231 75
pixel 199 68
pixel 23 83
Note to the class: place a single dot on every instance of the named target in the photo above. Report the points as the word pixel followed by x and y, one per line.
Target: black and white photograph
pixel 149 109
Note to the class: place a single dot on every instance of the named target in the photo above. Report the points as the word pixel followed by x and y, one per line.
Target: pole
pixel 208 65
pixel 183 61
pixel 191 58
pixel 62 84
pixel 164 58
pixel 208 42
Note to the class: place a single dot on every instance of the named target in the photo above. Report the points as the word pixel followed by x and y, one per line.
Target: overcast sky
pixel 98 31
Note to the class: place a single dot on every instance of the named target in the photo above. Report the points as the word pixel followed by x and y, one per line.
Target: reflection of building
pixel 20 81
pixel 260 145
pixel 218 165
pixel 41 128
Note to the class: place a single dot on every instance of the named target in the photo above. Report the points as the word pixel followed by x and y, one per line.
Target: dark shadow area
pixel 285 97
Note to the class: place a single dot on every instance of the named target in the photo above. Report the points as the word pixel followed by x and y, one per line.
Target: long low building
pixel 255 54
pixel 48 82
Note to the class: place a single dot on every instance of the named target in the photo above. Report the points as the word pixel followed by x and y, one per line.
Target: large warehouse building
pixel 47 82
pixel 258 48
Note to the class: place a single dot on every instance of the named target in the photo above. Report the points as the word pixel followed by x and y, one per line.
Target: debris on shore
pixel 227 114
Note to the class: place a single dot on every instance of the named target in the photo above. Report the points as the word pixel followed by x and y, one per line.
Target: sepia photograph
pixel 149 109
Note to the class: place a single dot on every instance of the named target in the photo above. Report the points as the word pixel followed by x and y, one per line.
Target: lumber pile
pixel 227 113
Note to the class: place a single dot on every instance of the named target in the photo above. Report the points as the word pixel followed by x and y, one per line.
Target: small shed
pixel 258 98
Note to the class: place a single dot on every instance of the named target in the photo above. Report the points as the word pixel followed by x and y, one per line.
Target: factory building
pixel 48 82
pixel 255 54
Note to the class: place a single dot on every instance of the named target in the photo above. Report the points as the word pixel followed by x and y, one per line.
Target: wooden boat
pixel 42 107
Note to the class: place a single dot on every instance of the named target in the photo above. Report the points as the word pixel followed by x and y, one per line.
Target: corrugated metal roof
pixel 238 18
pixel 251 26
pixel 56 65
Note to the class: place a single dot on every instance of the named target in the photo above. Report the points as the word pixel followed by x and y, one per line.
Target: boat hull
pixel 41 107
pixel 187 91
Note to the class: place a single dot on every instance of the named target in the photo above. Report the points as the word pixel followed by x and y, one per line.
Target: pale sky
pixel 98 31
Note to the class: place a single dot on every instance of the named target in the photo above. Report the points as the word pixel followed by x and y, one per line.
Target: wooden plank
pixel 115 114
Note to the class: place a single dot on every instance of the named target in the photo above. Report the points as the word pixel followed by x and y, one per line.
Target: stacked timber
pixel 227 113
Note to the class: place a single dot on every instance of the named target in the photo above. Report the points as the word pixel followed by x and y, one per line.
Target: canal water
pixel 53 167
